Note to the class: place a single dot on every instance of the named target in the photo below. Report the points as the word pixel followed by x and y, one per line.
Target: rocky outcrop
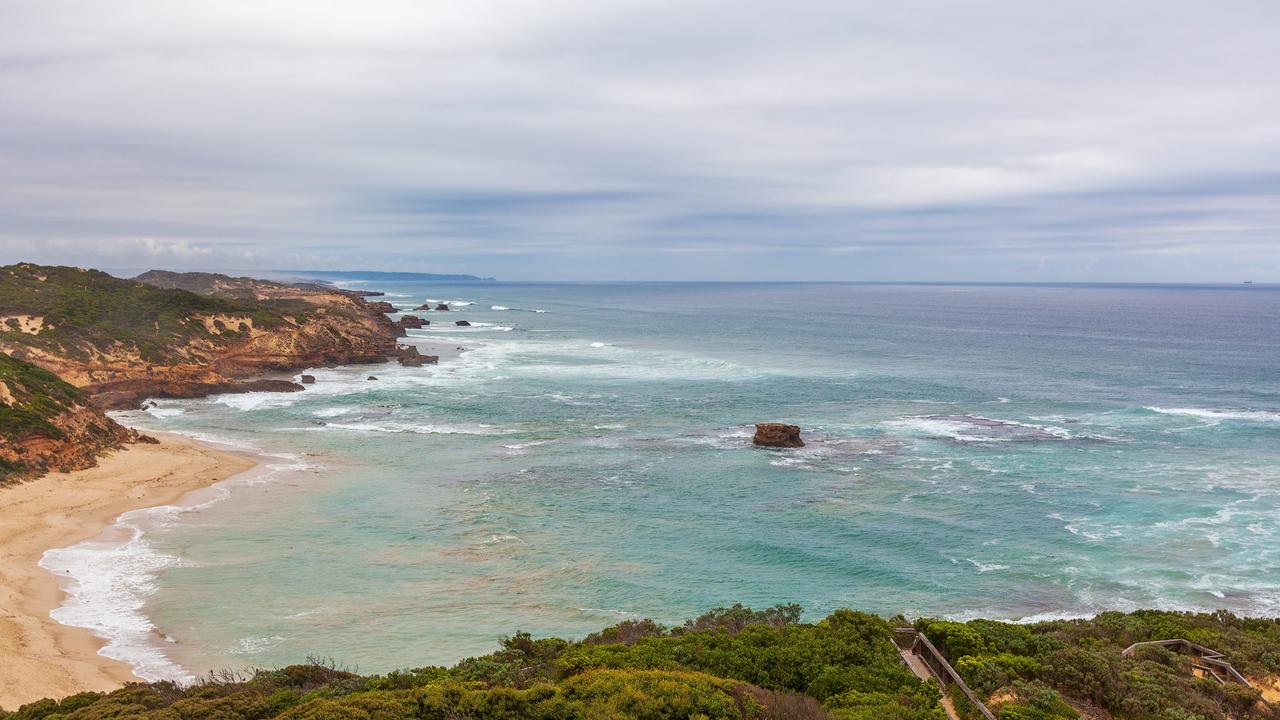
pixel 442 307
pixel 462 323
pixel 173 335
pixel 777 435
pixel 186 329
pixel 408 322
pixel 409 356
pixel 308 379
pixel 129 394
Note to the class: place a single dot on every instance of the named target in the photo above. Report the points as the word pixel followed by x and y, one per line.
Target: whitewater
pixel 582 456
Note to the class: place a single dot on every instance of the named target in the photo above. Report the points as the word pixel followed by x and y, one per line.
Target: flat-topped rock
pixel 308 379
pixel 418 360
pixel 777 435
pixel 462 323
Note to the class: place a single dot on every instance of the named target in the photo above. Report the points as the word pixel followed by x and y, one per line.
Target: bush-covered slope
pixel 83 314
pixel 124 340
pixel 736 664
pixel 282 295
pixel 1033 671
pixel 46 423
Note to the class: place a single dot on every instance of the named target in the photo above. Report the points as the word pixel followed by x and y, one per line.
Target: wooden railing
pixel 1205 659
pixel 915 642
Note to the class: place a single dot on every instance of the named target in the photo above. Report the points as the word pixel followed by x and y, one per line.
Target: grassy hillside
pixel 287 297
pixel 735 663
pixel 45 422
pixel 34 397
pixel 84 312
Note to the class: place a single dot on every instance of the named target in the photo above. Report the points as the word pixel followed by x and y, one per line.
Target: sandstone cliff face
pixel 191 334
pixel 47 424
pixel 353 337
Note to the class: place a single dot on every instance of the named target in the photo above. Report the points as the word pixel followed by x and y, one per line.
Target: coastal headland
pixel 77 342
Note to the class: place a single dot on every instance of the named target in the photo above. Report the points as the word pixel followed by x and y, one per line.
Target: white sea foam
pixel 255 644
pixel 1054 615
pixel 108 579
pixel 525 445
pixel 1214 417
pixel 248 402
pixel 977 429
pixel 938 428
pixel 107 585
pixel 165 412
pixel 986 567
pixel 499 307
pixel 473 327
pixel 420 428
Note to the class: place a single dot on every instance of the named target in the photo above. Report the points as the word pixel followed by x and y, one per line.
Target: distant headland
pixel 379 276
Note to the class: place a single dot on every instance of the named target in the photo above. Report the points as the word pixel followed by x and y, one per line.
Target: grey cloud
pixel 575 139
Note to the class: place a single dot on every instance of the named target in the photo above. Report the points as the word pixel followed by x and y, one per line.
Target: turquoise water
pixel 1012 452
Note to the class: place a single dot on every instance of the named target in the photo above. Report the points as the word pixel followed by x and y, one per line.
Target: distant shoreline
pixel 42 657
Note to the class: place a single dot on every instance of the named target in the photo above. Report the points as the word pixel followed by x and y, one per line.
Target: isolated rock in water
pixel 462 323
pixel 308 379
pixel 371 377
pixel 442 307
pixel 412 321
pixel 777 435
pixel 416 360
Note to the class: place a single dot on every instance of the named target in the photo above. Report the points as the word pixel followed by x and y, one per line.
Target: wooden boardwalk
pixel 1208 661
pixel 929 665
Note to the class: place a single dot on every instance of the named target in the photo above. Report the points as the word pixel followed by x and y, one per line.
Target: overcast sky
pixel 605 139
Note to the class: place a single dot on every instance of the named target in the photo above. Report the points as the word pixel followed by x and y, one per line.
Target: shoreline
pixel 58 510
pixel 43 657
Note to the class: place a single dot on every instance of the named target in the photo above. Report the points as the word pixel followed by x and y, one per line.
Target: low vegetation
pixel 736 663
pixel 45 421
pixel 1048 670
pixel 31 398
pixel 84 312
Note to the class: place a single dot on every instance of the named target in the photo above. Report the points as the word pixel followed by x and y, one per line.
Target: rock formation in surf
pixel 778 435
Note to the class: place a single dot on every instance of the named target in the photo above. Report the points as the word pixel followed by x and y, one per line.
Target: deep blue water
pixel 1004 451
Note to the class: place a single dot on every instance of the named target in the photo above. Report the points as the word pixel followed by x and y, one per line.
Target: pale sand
pixel 40 657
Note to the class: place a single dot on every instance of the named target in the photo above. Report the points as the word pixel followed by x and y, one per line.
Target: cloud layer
pixel 571 139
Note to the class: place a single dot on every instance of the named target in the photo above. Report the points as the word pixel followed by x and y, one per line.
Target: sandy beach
pixel 42 658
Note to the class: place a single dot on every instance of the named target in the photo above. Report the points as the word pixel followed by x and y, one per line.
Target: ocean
pixel 1013 452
